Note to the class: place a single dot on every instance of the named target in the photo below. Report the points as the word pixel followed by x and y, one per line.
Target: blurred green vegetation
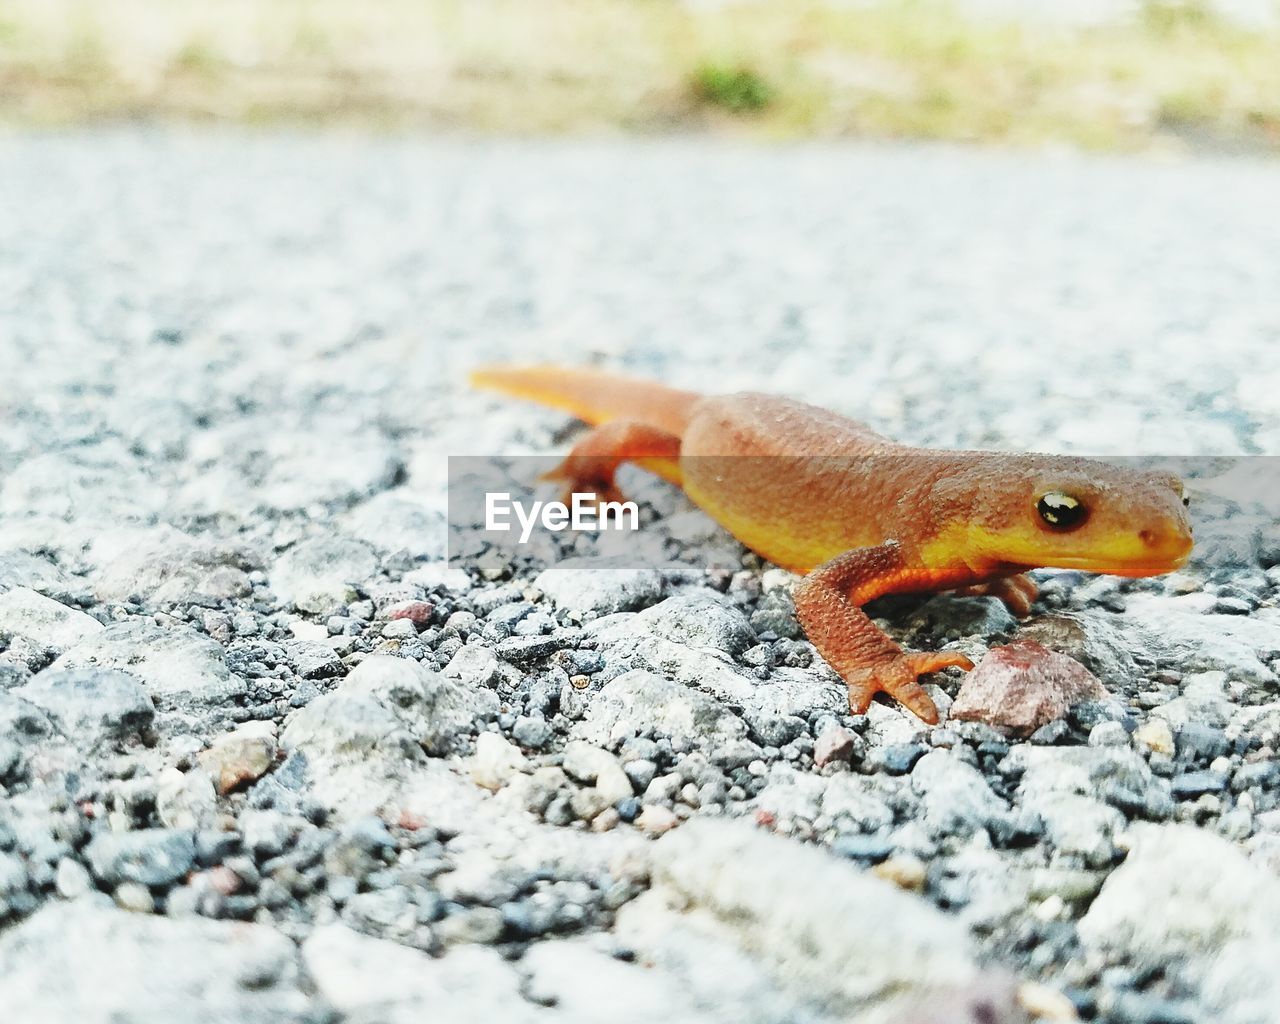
pixel 737 89
pixel 1174 74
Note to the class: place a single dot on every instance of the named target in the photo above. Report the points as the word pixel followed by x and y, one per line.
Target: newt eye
pixel 1061 511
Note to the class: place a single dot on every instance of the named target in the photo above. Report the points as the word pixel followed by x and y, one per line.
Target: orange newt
pixel 860 515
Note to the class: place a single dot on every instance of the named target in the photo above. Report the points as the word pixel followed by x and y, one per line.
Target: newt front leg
pixel 828 604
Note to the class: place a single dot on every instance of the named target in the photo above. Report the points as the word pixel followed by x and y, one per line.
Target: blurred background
pixel 1100 74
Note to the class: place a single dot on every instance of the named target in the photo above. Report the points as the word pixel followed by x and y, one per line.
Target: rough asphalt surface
pixel 264 756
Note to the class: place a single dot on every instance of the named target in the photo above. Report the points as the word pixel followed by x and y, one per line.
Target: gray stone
pixel 92 706
pixel 1077 825
pixel 186 800
pixel 313 660
pixel 1115 775
pixel 1089 638
pixel 1108 734
pixel 363 746
pixel 846 802
pixel 474 665
pixel 349 725
pixel 950 617
pixel 626 641
pixel 1190 785
pixel 15 896
pixel 531 731
pixel 153 857
pixel 1238 645
pixel 24 721
pixel 23 569
pixel 522 649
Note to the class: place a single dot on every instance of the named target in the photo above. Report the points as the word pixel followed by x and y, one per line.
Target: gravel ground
pixel 260 741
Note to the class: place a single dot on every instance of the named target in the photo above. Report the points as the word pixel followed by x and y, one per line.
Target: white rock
pixel 1239 645
pixel 1181 893
pixel 590 764
pixel 360 974
pixel 954 796
pixel 397 521
pixel 592 587
pixel 161 565
pixel 639 700
pixel 1116 775
pixel 473 664
pixel 713 972
pixel 1079 825
pixel 186 799
pixel 788 691
pixel 578 981
pixel 439 574
pixel 849 799
pixel 821 924
pixel 496 761
pixel 177 665
pixel 439 711
pixel 317 575
pixel 54 968
pixel 52 625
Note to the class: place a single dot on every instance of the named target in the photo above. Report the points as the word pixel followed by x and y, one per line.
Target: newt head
pixel 1062 512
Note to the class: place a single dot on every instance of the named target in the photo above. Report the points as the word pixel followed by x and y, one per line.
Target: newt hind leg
pixel 828 604
pixel 592 463
pixel 1017 592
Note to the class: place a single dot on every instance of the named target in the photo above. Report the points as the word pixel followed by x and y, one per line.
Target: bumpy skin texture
pixel 863 516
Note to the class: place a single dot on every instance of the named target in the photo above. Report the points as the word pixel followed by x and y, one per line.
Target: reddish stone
pixel 224 880
pixel 417 612
pixel 411 822
pixel 1024 685
pixel 833 745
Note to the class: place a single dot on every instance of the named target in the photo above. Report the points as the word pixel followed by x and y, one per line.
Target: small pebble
pixel 903 870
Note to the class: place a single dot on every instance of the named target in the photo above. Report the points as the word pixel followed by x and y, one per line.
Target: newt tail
pixel 860 515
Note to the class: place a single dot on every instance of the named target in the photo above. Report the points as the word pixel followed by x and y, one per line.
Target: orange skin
pixel 860 515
